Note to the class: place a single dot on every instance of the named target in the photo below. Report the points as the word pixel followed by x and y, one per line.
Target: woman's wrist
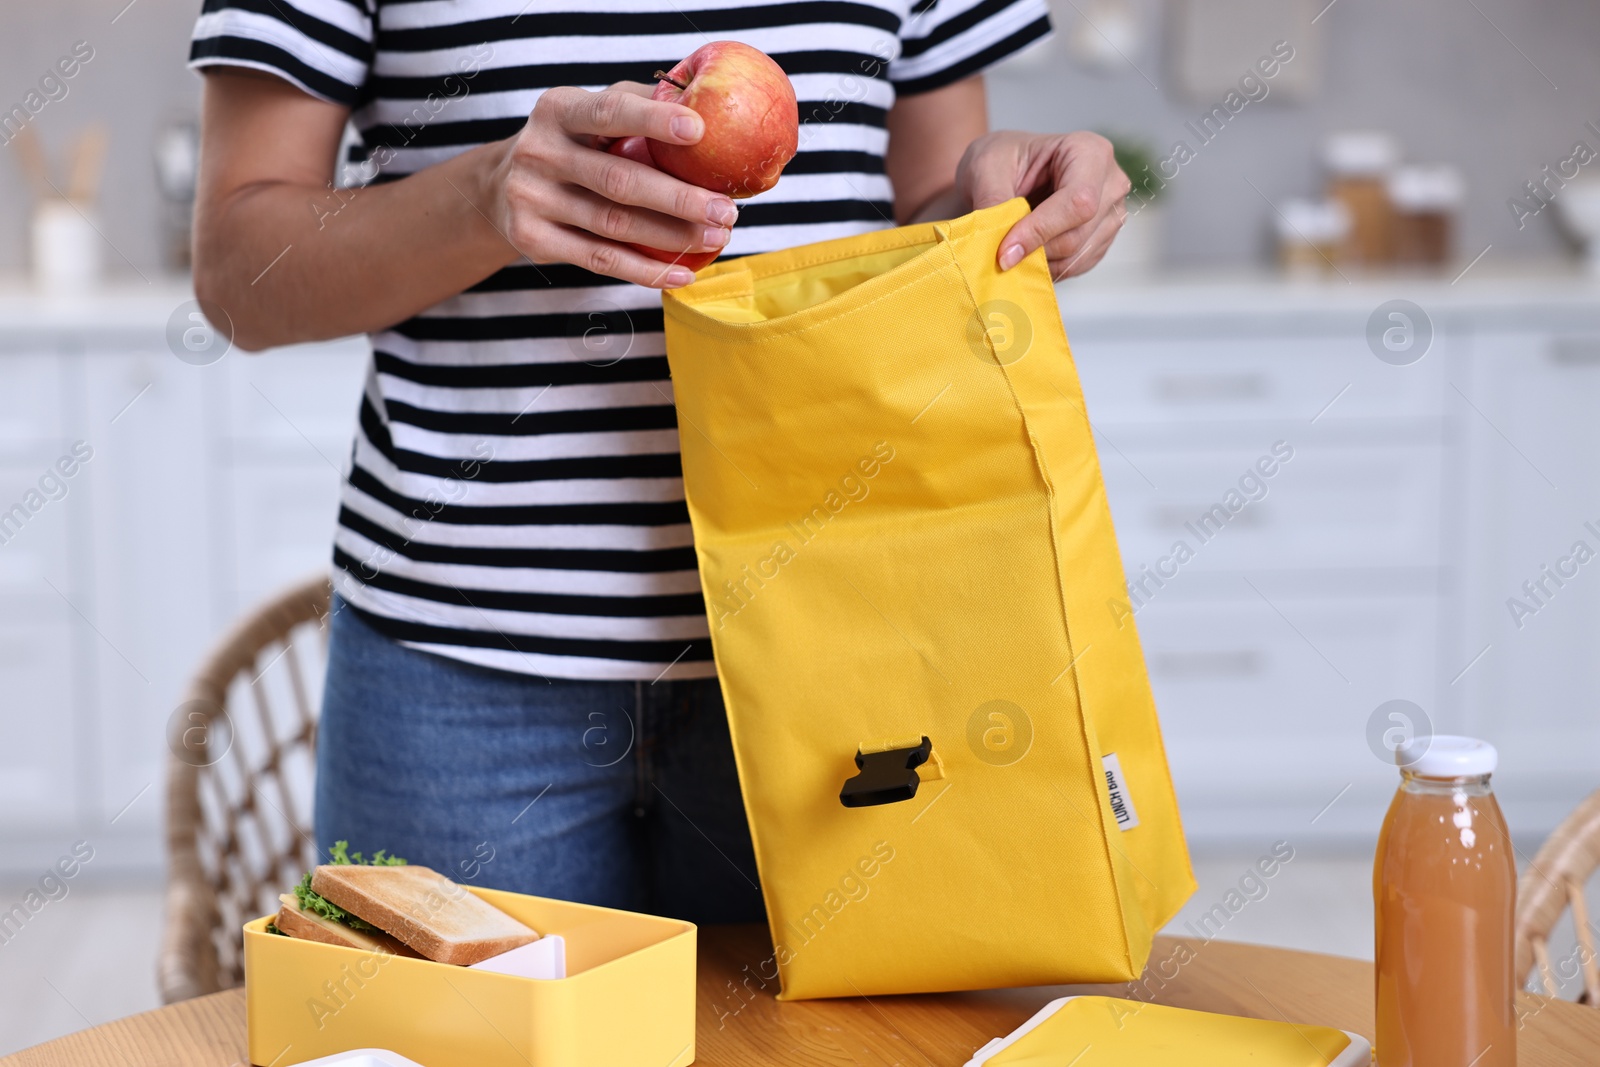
pixel 948 204
pixel 484 189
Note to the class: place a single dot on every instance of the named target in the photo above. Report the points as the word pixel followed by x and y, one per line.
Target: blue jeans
pixel 622 794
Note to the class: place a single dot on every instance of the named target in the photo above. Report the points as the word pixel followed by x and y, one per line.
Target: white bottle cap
pixel 1447 756
pixel 1313 221
pixel 1360 153
pixel 1437 187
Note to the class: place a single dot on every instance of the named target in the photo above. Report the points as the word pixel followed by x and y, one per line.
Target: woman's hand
pixel 560 197
pixel 1073 182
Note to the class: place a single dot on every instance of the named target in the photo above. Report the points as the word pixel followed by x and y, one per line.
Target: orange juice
pixel 1444 886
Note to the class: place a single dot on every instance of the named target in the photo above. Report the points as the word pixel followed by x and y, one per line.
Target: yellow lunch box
pixel 627 1001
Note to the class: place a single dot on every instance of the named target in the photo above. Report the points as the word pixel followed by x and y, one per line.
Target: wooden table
pixel 741 1025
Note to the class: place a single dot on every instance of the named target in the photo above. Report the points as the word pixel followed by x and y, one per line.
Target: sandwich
pixel 386 905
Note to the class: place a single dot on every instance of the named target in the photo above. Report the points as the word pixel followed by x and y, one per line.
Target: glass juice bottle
pixel 1444 890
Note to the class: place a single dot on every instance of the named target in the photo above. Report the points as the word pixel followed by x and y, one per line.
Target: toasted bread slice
pixel 424 909
pixel 309 926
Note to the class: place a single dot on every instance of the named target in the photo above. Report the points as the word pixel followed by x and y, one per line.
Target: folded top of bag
pixel 785 291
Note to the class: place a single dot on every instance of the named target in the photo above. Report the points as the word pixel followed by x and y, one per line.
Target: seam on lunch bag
pixel 1061 599
pixel 1161 741
pixel 1094 753
pixel 745 794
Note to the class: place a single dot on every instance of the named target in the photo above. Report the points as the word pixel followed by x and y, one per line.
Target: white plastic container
pixel 364 1057
pixel 66 247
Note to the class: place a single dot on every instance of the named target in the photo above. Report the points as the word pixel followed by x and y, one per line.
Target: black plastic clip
pixel 885 777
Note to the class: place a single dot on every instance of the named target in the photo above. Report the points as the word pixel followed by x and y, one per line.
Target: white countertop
pixel 117 304
pixel 1488 284
pixel 1488 289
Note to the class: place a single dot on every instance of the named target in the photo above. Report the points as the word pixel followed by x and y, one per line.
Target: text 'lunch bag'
pixel 946 741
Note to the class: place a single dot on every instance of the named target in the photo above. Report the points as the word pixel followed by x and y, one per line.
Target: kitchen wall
pixel 136 81
pixel 1458 80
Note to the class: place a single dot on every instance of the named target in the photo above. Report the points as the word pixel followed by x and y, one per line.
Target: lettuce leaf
pixel 317 904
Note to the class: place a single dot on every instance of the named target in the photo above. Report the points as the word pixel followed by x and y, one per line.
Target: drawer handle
pixel 1175 516
pixel 1238 664
pixel 1575 351
pixel 1199 388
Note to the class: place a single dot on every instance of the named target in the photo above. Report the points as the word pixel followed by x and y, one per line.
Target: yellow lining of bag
pixel 750 297
pixel 797 290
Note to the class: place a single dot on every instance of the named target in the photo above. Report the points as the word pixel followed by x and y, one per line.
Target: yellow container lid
pixel 1111 1032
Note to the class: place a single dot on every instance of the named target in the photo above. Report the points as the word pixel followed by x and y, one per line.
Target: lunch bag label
pixel 1117 786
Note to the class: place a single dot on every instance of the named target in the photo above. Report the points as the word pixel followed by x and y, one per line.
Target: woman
pixel 520 690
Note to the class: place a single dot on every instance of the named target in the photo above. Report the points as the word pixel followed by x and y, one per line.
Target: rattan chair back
pixel 1552 884
pixel 239 781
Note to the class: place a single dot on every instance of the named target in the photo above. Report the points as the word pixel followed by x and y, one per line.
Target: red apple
pixel 635 149
pixel 751 117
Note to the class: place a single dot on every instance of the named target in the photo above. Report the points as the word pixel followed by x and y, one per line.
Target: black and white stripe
pixel 515 497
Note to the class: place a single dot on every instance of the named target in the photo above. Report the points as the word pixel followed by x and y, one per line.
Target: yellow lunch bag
pixel 949 754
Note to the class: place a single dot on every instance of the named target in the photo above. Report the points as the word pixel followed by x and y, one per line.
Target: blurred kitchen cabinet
pixel 1532 533
pixel 39 772
pixel 31 403
pixel 1277 610
pixel 1375 564
pixel 149 524
pixel 1329 506
pixel 1222 371
pixel 290 418
pixel 43 641
pixel 214 500
pixel 1252 679
pixel 196 491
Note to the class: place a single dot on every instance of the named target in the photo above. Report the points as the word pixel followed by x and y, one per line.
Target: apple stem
pixel 663 76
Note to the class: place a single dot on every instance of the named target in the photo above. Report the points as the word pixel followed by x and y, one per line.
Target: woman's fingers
pixel 636 88
pixel 568 244
pixel 1087 186
pixel 564 198
pixel 1076 250
pixel 1072 254
pixel 1073 206
pixel 626 182
pixel 618 113
pixel 617 221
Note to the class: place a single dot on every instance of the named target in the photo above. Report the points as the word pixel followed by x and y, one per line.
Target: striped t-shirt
pixel 514 496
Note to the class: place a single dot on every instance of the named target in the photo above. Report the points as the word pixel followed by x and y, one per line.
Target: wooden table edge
pixel 752 1028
